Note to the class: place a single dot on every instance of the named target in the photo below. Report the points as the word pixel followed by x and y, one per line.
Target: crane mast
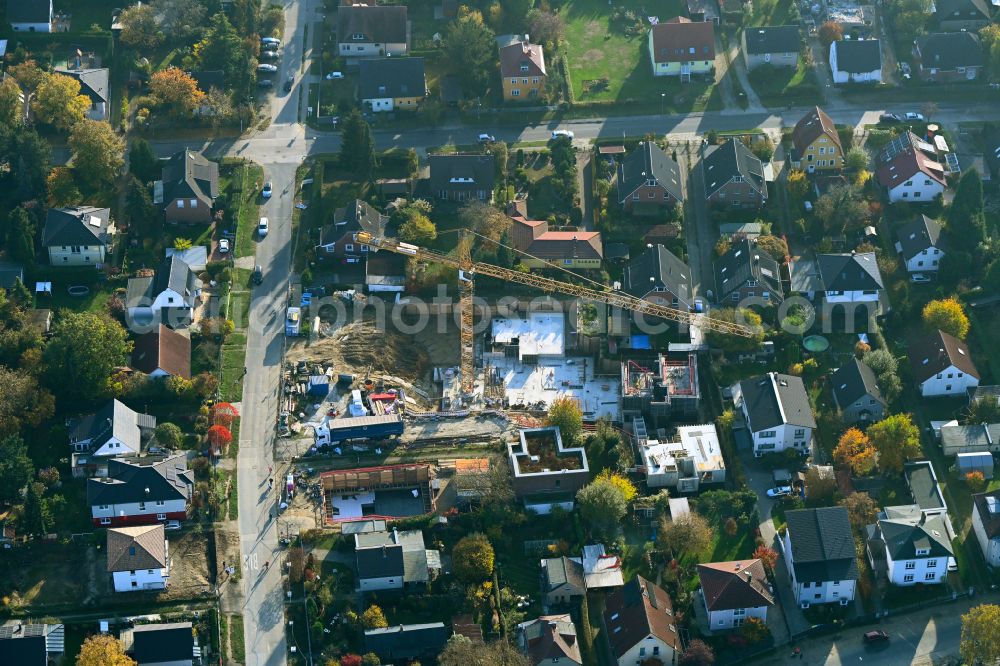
pixel 467 269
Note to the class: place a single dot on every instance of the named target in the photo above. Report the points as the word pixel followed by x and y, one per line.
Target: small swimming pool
pixel 816 343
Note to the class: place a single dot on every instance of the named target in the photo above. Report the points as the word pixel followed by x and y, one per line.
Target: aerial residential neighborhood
pixel 385 332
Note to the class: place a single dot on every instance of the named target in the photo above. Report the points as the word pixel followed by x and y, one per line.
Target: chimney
pixel 384 555
pixel 737 567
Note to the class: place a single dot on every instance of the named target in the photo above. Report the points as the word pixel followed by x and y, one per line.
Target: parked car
pixel 265 68
pixel 920 278
pixel 172 525
pixel 265 83
pixel 224 246
pixel 269 55
pixel 258 275
pixel 876 636
pixel 562 133
pixel 272 42
pixel 915 117
pixel 289 82
pixel 266 192
pixel 262 227
pixel 334 76
pixel 487 138
pixel 889 118
pixel 780 491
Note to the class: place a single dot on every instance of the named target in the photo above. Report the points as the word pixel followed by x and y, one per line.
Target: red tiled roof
pixel 737 584
pixel 513 56
pixel 567 245
pixel 164 349
pixel 637 610
pixel 674 39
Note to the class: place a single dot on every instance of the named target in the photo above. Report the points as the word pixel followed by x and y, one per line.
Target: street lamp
pixel 663 100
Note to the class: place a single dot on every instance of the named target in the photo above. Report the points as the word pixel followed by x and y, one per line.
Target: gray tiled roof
pixel 904 535
pixel 822 544
pixel 852 381
pixel 190 174
pixel 949 50
pixel 151 479
pixel 858 56
pixel 772 39
pixel 77 225
pixel 29 11
pixel 114 420
pixel 857 271
pixel 162 643
pixel 564 571
pixel 774 399
pixel 93 82
pixel 659 268
pixel 646 162
pixel 745 260
pixel 918 235
pixel 402 642
pixel 732 159
pixel 391 77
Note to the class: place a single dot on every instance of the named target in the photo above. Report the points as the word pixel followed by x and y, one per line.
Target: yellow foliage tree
pixel 177 90
pixel 103 650
pixel 980 641
pixel 620 482
pixel 948 316
pixel 896 439
pixel 374 618
pixel 798 183
pixel 58 101
pixel 856 451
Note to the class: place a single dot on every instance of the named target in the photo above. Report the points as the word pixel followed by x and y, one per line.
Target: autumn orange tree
pixel 830 32
pixel 219 436
pixel 768 557
pixel 175 89
pixel 856 451
pixel 223 413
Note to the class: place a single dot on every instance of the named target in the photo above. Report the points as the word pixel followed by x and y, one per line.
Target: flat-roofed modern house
pixel 545 473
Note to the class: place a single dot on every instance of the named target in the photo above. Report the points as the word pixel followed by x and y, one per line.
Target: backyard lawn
pixel 606 65
pixel 773 12
pixel 782 86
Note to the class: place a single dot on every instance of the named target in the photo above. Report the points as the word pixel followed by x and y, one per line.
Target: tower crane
pixel 467 269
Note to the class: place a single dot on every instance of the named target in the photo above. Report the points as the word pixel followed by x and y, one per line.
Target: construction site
pixel 387 492
pixel 662 389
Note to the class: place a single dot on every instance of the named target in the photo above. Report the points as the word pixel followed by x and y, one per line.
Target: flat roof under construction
pixel 529 384
pixel 540 334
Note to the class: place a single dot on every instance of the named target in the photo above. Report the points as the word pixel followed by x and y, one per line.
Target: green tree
pixel 965 216
pixel 16 468
pixel 842 209
pixel 896 439
pixel 602 505
pixel 473 558
pixel 62 189
pixel 221 47
pixel 357 152
pixel 370 659
pixel 169 436
pixel 58 101
pixel 374 618
pixel 139 211
pixel 980 640
pixel 23 403
pixel 142 162
pixel 417 228
pixel 460 651
pixel 565 414
pixel 861 510
pixel 182 20
pixel 982 410
pixel 37 516
pixel 856 159
pixel 687 534
pixel 468 45
pixel 946 315
pixel 27 156
pixel 140 28
pixel 246 16
pixel 736 343
pixel 83 350
pixel 412 163
pixel 95 144
pixel 546 27
pixel 21 235
pixel 10 102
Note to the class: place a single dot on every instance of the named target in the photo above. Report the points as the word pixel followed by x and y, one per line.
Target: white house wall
pixel 949 382
pixel 990 547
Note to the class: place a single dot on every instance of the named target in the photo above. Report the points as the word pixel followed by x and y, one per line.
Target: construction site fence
pixel 452 414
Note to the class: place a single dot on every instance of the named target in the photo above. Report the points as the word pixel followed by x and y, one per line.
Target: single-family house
pixel 775 45
pixel 908 167
pixel 138 558
pixel 921 244
pixel 777 413
pixel 161 644
pixel 986 525
pixel 403 643
pixel 640 624
pixel 169 297
pixel 29 644
pixel 816 143
pixel 385 272
pixel 30 15
pixel 658 276
pixel 522 71
pixel 703 10
pixel 684 465
pixel 734 176
pixel 188 188
pixel 78 236
pixel 141 491
pixel 562 580
pixel 851 282
pixel 461 177
pixel 163 352
pixel 648 180
pixel 733 592
pixel 680 47
pixel 747 272
pixel 942 365
pixel 94 83
pixel 550 640
pixel 958 439
pixel 948 56
pixel 818 549
pixel 112 432
pixel 338 239
pixel 923 484
pixel 910 546
pixel 391 560
pixel 392 84
pixel 370 31
pixel 542 248
pixel 856 61
pixel 856 393
pixel 545 472
pixel 958 15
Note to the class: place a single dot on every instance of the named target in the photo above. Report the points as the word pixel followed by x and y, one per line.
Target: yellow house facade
pixel 522 71
pixel 816 143
pixel 681 48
